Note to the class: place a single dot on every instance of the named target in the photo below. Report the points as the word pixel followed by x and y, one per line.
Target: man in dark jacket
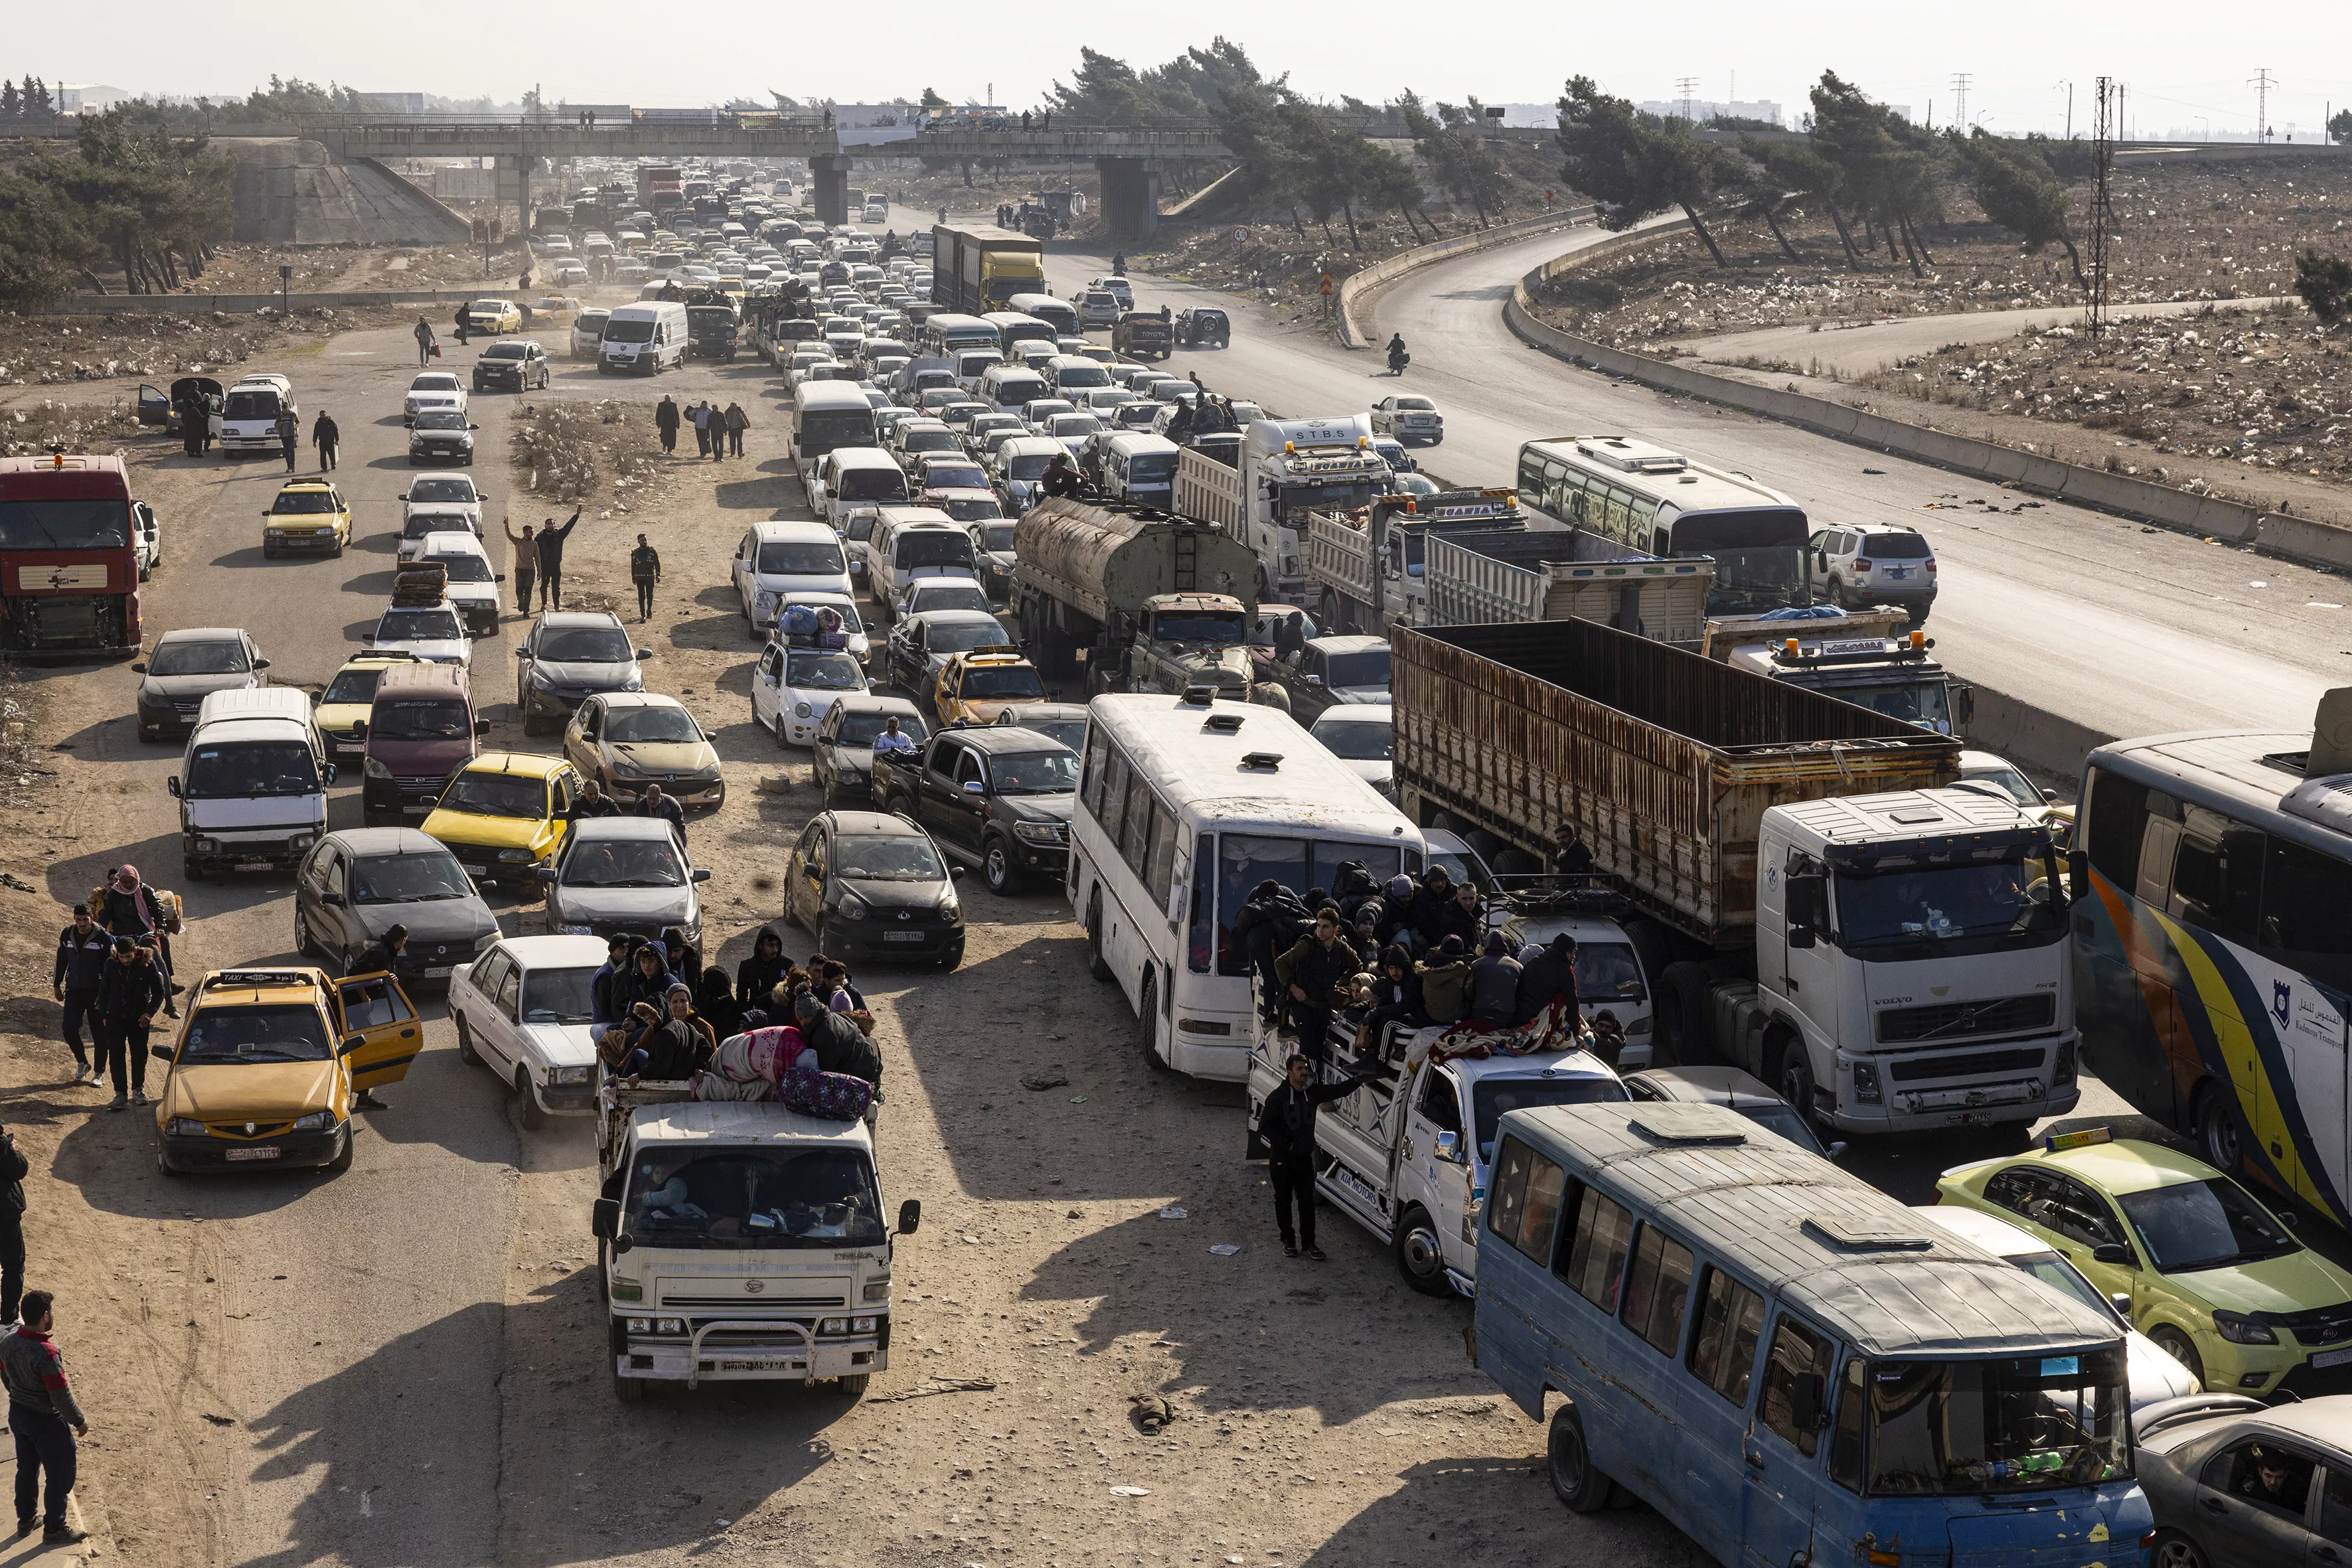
pixel 647 979
pixel 325 435
pixel 592 801
pixel 1463 915
pixel 1286 1127
pixel 665 421
pixel 603 1012
pixel 1429 905
pixel 379 957
pixel 645 571
pixel 14 1169
pixel 1570 855
pixel 840 1044
pixel 1269 925
pixel 1494 983
pixel 550 561
pixel 656 802
pixel 129 995
pixel 1550 973
pixel 757 975
pixel 1321 964
pixel 289 436
pixel 82 951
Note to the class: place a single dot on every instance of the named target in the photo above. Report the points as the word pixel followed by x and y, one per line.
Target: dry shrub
pixel 565 449
pixel 32 429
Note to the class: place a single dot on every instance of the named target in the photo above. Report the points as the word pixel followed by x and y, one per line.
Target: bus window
pixel 2217 876
pixel 2306 923
pixel 2115 824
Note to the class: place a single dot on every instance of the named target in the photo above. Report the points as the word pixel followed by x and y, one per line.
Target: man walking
pixel 1286 1127
pixel 550 561
pixel 14 1169
pixel 82 951
pixel 46 1419
pixel 289 436
pixel 423 342
pixel 128 992
pixel 717 423
pixel 325 435
pixel 526 563
pixel 737 422
pixel 645 571
pixel 701 417
pixel 666 422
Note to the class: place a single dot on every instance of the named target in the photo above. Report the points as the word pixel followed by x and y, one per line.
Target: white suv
pixel 1857 565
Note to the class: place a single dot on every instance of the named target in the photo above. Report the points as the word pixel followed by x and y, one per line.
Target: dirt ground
pixel 2189 231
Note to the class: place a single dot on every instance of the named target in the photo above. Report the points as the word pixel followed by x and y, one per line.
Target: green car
pixel 2213 1275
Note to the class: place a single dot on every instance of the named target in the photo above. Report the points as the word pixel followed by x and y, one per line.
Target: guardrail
pixel 2291 538
pixel 1390 268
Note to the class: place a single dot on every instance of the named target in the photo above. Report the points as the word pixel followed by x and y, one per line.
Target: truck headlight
pixel 1866 1084
pixel 669 1325
pixel 877 1290
pixel 861 1325
pixel 833 1326
pixel 2062 1069
pixel 641 1325
pixel 317 1121
pixel 188 1127
pixel 1039 832
pixel 2241 1329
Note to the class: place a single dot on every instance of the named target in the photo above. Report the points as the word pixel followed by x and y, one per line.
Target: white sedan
pixel 524 1011
pixel 1363 735
pixel 1407 418
pixel 431 632
pixel 433 389
pixel 793 688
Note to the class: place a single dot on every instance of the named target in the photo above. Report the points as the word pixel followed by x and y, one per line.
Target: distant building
pixel 89 99
pixel 1702 110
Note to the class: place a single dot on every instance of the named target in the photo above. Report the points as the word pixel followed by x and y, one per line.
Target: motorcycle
pixel 1397 360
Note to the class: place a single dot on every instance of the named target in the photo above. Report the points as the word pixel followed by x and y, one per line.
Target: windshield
pixel 250 405
pixel 417 625
pixel 351 686
pixel 1607 972
pixel 293 501
pixel 1917 702
pixel 422 524
pixel 1219 628
pixel 440 419
pixel 825 672
pixel 1359 742
pixel 1028 465
pixel 743 1197
pixel 1490 1097
pixel 955 476
pixel 654 726
pixel 584 644
pixel 503 350
pixel 1003 682
pixel 2009 782
pixel 65 525
pixel 1245 859
pixel 1369 668
pixel 199 658
pixel 1088 373
pixel 997 538
pixel 497 794
pixel 1035 773
pixel 460 490
pixel 2005 903
pixel 244 769
pixel 1338 495
pixel 2191 1226
pixel 624 863
pixel 1775 1116
pixel 2067 1280
pixel 917 441
pixel 464 568
pixel 409 878
pixel 1956 1429
pixel 280 1033
pixel 956 636
pixel 881 484
pixel 970 509
pixel 1151 468
pixel 420 719
pixel 879 858
pixel 628 330
pixel 841 607
pixel 1070 732
pixel 933 547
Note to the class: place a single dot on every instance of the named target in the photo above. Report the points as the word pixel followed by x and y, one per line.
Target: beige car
pixel 627 739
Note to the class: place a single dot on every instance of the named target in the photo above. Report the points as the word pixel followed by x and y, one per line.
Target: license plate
pixel 1898 571
pixel 439 972
pixel 902 936
pixel 354 747
pixel 253 865
pixel 258 1152
pixel 421 809
pixel 775 1365
pixel 2331 1358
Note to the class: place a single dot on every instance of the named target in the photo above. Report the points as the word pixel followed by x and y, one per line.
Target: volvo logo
pixel 753 1287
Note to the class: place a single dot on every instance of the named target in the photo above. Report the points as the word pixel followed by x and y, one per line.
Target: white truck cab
pixel 740 1243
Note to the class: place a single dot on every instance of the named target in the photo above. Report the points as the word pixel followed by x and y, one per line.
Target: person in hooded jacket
pixel 1550 974
pixel 129 908
pixel 1494 983
pixel 670 1039
pixel 1352 886
pixel 685 961
pixel 604 1011
pixel 647 979
pixel 1270 923
pixel 1429 904
pixel 1396 997
pixel 1445 982
pixel 1320 965
pixel 757 975
pixel 717 1005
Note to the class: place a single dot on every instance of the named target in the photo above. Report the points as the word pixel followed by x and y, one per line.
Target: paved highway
pixel 2087 617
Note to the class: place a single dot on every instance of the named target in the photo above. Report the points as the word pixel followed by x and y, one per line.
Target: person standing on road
pixel 592 802
pixel 1286 1127
pixel 129 994
pixel 550 561
pixel 526 563
pixel 645 571
pixel 1319 967
pixel 14 1169
pixel 665 421
pixel 129 908
pixel 423 342
pixel 325 435
pixel 46 1419
pixel 655 802
pixel 737 422
pixel 464 325
pixel 379 957
pixel 82 951
pixel 701 417
pixel 716 423
pixel 289 436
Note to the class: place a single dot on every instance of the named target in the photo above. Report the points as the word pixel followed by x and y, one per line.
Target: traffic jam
pixel 1574 876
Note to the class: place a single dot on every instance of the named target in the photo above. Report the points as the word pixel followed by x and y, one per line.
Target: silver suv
pixel 1859 564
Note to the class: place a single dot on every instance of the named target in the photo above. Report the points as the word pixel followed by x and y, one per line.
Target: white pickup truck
pixel 740 1243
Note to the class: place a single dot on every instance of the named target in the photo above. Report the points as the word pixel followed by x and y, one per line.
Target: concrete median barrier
pixel 1357 286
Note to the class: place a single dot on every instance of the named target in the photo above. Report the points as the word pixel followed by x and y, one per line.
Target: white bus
pixel 1183 808
pixel 945 335
pixel 1660 501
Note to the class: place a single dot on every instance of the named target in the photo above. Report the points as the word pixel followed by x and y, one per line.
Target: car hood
pixel 2295 1283
pixel 651 908
pixel 598 676
pixel 1037 808
pixel 666 756
pixel 1356 694
pixel 566 1045
pixel 251 1091
pixel 1375 773
pixel 494 832
pixel 453 924
pixel 897 896
pixel 169 686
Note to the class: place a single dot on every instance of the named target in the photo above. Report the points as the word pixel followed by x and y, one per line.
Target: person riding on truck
pixel 1547 976
pixel 1396 998
pixel 1319 975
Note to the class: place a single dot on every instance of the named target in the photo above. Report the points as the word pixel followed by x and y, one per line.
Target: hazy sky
pixel 603 52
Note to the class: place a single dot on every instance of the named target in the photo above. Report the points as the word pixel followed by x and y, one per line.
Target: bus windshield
pixel 65 525
pixel 1958 1428
pixel 1244 860
pixel 1760 557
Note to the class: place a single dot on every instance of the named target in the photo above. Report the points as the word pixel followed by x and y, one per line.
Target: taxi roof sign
pixel 2058 1142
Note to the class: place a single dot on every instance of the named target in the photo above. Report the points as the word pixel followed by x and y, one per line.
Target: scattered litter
pixel 1077 1100
pixel 1076 1214
pixel 1174 1211
pixel 2320 604
pixel 774 784
pixel 10 879
pixel 1880 471
pixel 1129 1492
pixel 1224 1250
pixel 220 1420
pixel 1039 1080
pixel 1312 1297
pixel 969 1239
pixel 1151 1412
pixel 938 1386
pixel 2257 584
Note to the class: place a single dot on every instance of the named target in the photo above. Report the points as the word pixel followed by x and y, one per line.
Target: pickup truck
pixel 740 1243
pixel 994 796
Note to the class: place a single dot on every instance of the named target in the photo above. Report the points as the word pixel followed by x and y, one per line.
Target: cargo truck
pixel 1366 573
pixel 660 186
pixel 1553 574
pixel 977 270
pixel 1863 656
pixel 1286 469
pixel 1890 954
pixel 1143 603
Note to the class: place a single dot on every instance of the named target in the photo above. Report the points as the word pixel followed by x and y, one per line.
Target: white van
pixel 252 785
pixel 1008 386
pixel 588 332
pixel 776 560
pixel 829 414
pixel 1140 468
pixel 972 366
pixel 855 476
pixel 1069 374
pixel 911 542
pixel 1056 313
pixel 250 413
pixel 646 338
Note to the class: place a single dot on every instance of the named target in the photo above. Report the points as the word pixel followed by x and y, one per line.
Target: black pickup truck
pixel 996 796
pixel 1143 334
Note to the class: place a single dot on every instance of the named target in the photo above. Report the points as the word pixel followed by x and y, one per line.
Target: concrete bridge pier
pixel 832 177
pixel 1130 198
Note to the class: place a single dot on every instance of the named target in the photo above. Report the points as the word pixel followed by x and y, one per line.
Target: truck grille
pixel 1909 1069
pixel 761 1305
pixel 1961 1020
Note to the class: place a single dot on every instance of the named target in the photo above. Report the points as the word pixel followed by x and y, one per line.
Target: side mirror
pixel 497 577
pixel 332 900
pixel 359 729
pixel 481 726
pixel 545 873
pixel 523 653
pixel 1964 706
pixel 702 873
pixel 2115 1252
pixel 351 1044
pixel 173 784
pixel 1834 1150
pixel 973 787
pixel 955 871
pixel 2121 1300
pixel 2049 797
pixel 910 1217
pixel 645 653
pixel 2288 1218
pixel 1805 1401
pixel 262 664
pixel 1801 938
pixel 605 1219
pixel 137 669
pixel 161 1053
pixel 2078 873
pixel 1449 1146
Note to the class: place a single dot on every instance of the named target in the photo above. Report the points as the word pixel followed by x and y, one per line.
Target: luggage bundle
pixel 420 585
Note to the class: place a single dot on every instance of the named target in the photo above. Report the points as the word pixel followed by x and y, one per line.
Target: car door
pixel 1817 558
pixel 154 405
pixel 514 1040
pixel 815 859
pixel 374 1008
pixel 1440 1185
pixel 965 816
pixel 478 1002
pixel 2240 1520
pixel 935 774
pixel 2331 1542
pixel 1781 1448
pixel 767 689
pixel 746 554
pixel 580 736
pixel 337 925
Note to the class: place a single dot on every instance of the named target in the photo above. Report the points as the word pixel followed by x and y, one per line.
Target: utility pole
pixel 1686 88
pixel 2261 82
pixel 2070 108
pixel 1960 101
pixel 2103 163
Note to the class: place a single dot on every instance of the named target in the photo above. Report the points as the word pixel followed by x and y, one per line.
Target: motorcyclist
pixel 1397 358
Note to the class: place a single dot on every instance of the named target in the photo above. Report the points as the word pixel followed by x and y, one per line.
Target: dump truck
pixel 1366 571
pixel 1816 907
pixel 1864 656
pixel 1286 471
pixel 1135 600
pixel 1553 574
pixel 976 270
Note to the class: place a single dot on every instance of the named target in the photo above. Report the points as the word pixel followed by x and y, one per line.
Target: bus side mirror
pixel 605 1219
pixel 910 1217
pixel 2078 873
pixel 1964 706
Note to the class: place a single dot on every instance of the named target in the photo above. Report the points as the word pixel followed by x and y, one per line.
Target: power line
pixel 1687 91
pixel 2103 161
pixel 2262 81
pixel 1960 80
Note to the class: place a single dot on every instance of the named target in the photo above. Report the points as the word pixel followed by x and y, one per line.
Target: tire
pixel 1837 594
pixel 1146 1015
pixel 527 1109
pixel 164 1166
pixel 854 1384
pixel 1420 1253
pixel 1575 1479
pixel 778 727
pixel 530 724
pixel 1682 1021
pixel 2174 1550
pixel 1096 965
pixel 342 1162
pixel 2177 1345
pixel 268 553
pixel 304 942
pixel 1792 1078
pixel 465 1051
pixel 628 1390
pixel 2221 1138
pixel 997 870
pixel 954 957
pixel 192 869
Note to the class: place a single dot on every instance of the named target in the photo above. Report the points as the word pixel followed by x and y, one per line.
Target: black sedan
pixel 357 884
pixel 2237 1484
pixel 876 887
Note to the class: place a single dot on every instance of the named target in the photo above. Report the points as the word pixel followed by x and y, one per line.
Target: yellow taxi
pixel 494 316
pixel 269 1061
pixel 350 698
pixel 976 688
pixel 308 514
pixel 505 814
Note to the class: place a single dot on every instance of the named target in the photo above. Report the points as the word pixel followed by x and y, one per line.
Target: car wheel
pixel 192 869
pixel 2174 1550
pixel 527 1109
pixel 778 727
pixel 304 942
pixel 530 724
pixel 465 1051
pixel 1096 965
pixel 2180 1347
pixel 996 869
pixel 628 1390
pixel 269 552
pixel 1419 1256
pixel 1578 1482
pixel 342 1160
pixel 2219 1138
pixel 953 957
pixel 164 1166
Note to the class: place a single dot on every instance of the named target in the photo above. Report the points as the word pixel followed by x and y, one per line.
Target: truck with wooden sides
pixel 977 270
pixel 1285 470
pixel 1146 601
pixel 1553 574
pixel 1891 955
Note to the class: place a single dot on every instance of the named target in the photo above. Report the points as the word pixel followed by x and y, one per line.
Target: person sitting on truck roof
pixel 603 1010
pixel 840 1044
pixel 1396 998
pixel 716 1002
pixel 1062 480
pixel 1494 982
pixel 1463 915
pixel 1549 976
pixel 1445 982
pixel 757 975
pixel 670 1042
